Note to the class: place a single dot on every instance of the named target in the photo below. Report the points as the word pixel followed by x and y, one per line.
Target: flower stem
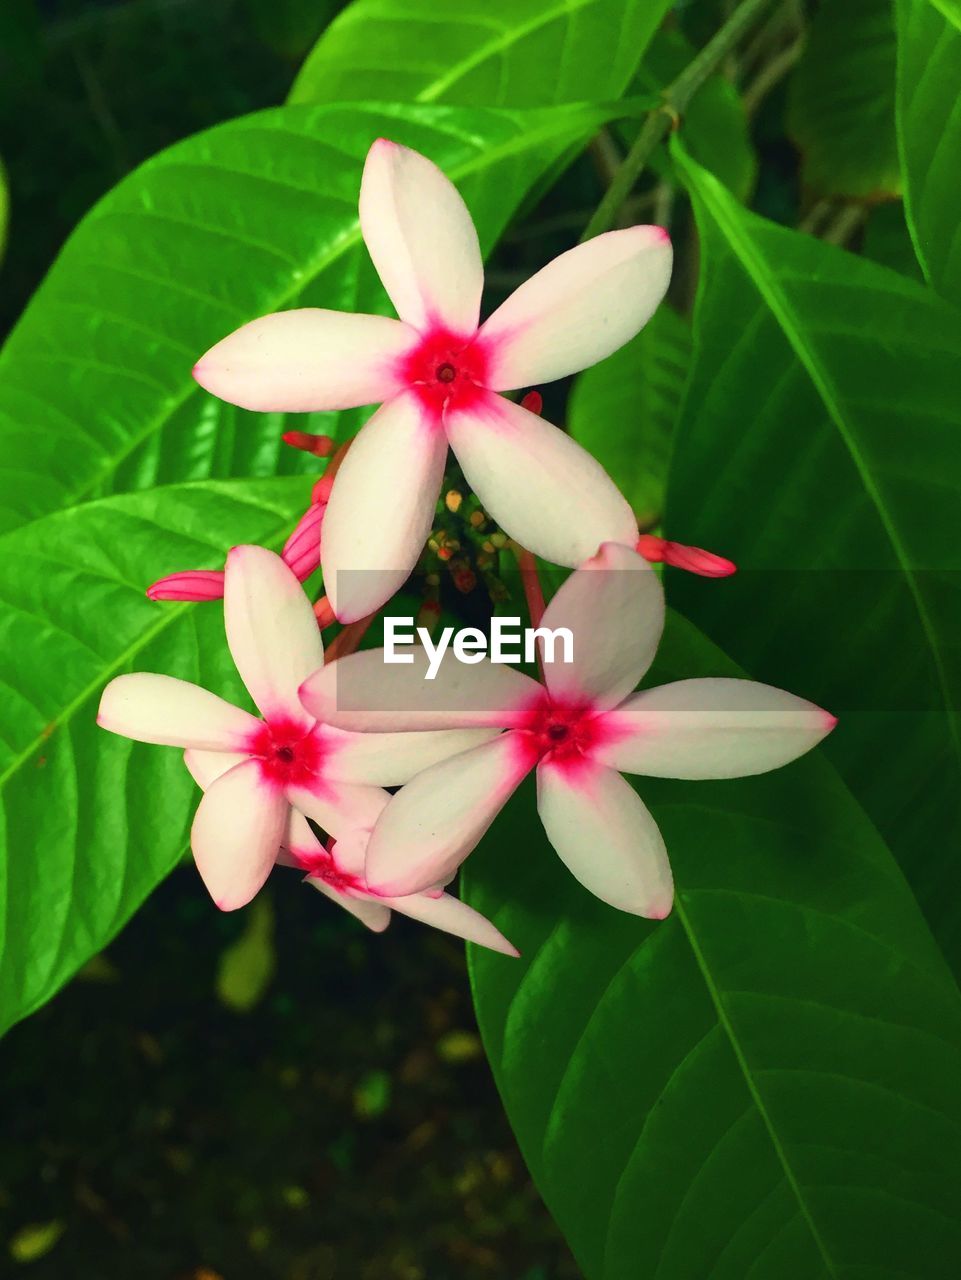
pixel 663 118
pixel 533 592
pixel 348 639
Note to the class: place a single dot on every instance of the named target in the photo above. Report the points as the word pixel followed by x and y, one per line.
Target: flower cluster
pixel 303 785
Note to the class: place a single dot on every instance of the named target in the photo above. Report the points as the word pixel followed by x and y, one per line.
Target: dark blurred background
pixel 274 1094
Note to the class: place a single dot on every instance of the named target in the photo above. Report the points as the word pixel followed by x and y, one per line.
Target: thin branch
pixel 660 121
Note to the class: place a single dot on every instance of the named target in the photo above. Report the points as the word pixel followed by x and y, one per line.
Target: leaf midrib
pixel 752 1087
pixel 484 159
pixel 504 41
pixel 754 268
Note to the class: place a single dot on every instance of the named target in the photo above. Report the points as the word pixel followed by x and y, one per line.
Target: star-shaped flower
pixel 438 372
pixel 579 730
pixel 337 871
pixel 288 757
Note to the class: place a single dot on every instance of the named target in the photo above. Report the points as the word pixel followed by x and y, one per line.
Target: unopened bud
pixel 533 402
pixel 463 577
pixel 478 519
pixel 453 500
pixel 192 584
pixel 302 549
pixel 319 446
pixel 693 559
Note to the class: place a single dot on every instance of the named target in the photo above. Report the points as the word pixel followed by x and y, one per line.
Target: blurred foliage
pixel 168 1137
pixel 793 405
pixel 118 81
pixel 249 964
pixel 841 111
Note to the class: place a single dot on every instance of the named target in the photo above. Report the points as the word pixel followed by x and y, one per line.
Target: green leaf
pixel 929 128
pixel 248 965
pixel 887 240
pixel 92 822
pixel 715 124
pixel 257 215
pixel 764 1084
pixel 506 53
pixel 624 411
pixel 818 447
pixel 951 9
pixel 841 101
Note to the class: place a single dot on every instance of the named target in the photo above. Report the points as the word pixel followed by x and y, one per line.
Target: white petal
pixel 173 713
pixel 363 691
pixel 432 824
pixel 579 308
pixel 236 833
pixel 541 487
pixel 613 605
pixel 453 916
pixel 307 360
pixel 389 759
pixel 421 238
pixel 340 808
pixel 381 507
pixel 713 728
pixel 271 630
pixel 206 767
pixel 605 835
pixel 369 911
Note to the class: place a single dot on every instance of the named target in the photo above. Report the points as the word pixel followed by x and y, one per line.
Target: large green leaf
pixel 929 128
pixel 818 447
pixel 841 104
pixel 624 410
pixel 257 215
pixel 513 53
pixel 92 822
pixel 765 1084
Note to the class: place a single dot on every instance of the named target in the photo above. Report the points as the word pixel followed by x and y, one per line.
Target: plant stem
pixel 660 121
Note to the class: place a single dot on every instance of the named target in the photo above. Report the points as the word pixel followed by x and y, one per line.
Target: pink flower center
pixel 322 865
pixel 446 370
pixel 563 732
pixel 288 754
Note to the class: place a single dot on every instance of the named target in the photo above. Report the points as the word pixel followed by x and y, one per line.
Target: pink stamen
pixel 694 559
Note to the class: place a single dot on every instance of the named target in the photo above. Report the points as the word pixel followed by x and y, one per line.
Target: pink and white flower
pixel 438 372
pixel 337 871
pixel 288 757
pixel 578 730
